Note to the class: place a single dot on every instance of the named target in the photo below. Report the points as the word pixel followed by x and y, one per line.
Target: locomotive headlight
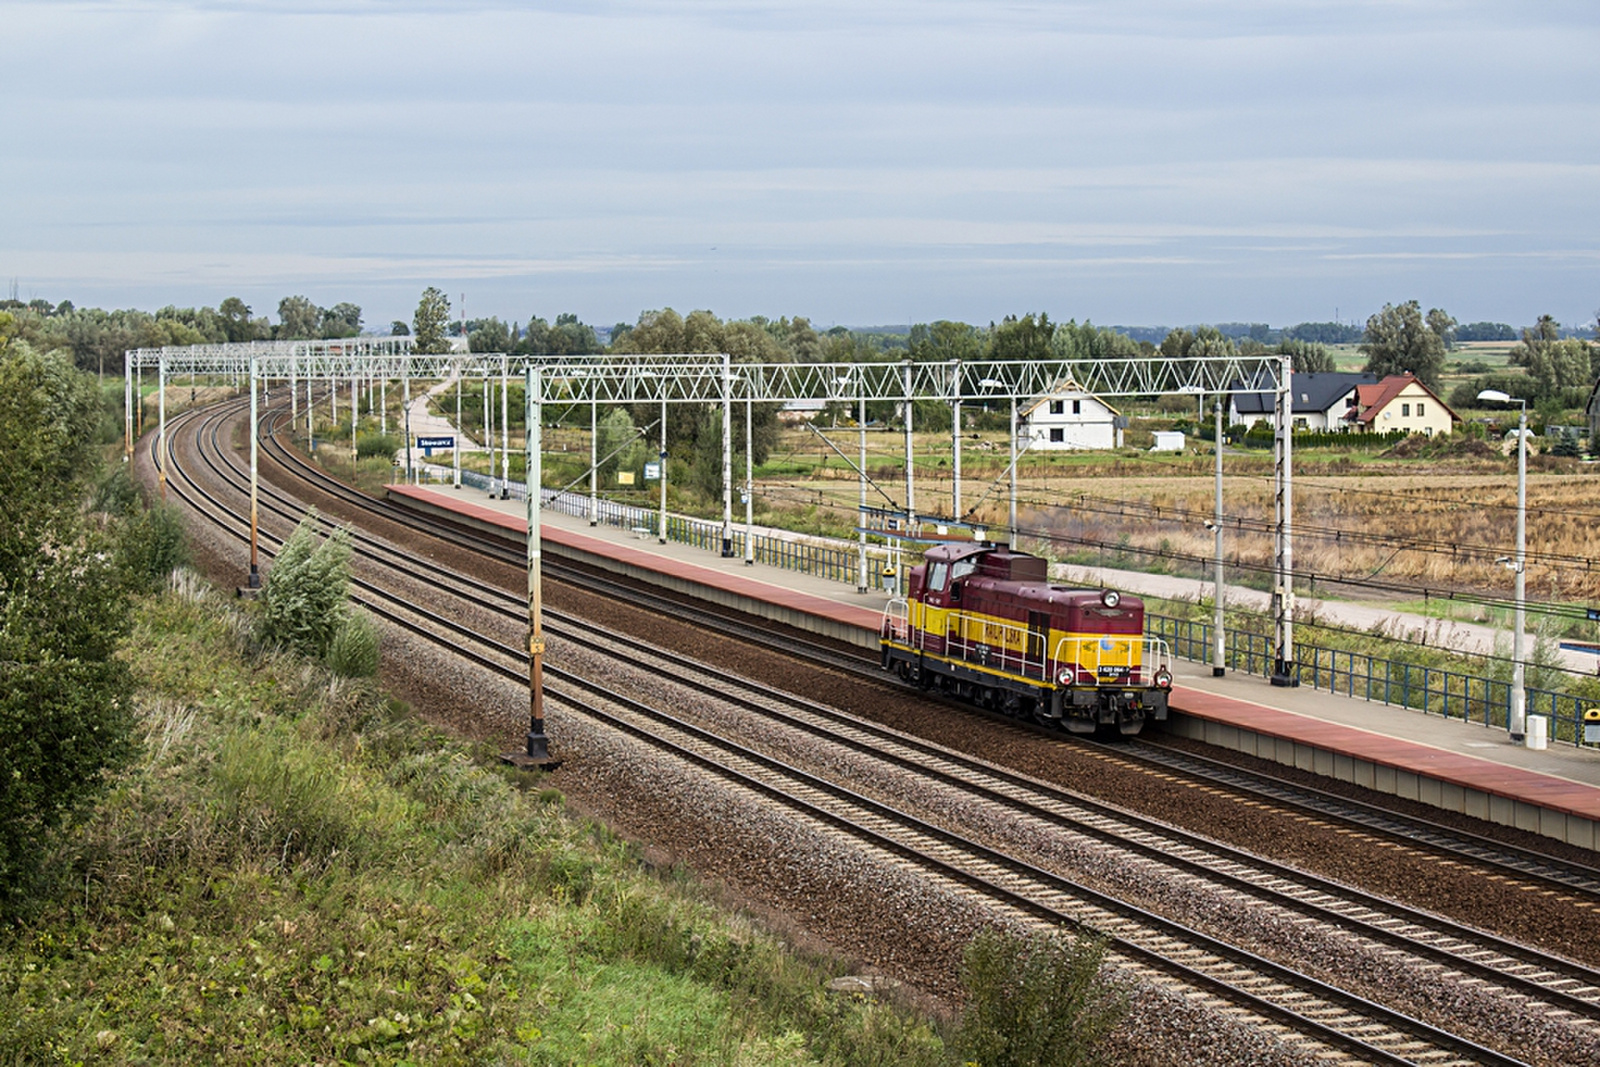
pixel 1110 598
pixel 1064 676
pixel 1164 678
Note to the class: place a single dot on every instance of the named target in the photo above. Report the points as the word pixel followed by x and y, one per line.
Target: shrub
pixel 1034 1001
pixel 154 544
pixel 303 605
pixel 353 652
pixel 377 444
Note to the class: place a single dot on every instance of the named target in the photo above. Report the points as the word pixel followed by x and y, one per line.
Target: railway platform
pixel 1457 766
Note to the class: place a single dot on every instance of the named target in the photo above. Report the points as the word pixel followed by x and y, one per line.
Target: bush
pixel 154 544
pixel 303 605
pixel 377 444
pixel 353 652
pixel 1034 1001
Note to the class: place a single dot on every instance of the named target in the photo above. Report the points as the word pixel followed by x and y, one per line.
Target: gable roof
pixel 1313 393
pixel 1371 399
pixel 1063 388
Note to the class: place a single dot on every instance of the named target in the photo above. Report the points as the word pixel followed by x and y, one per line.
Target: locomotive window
pixel 963 568
pixel 937 576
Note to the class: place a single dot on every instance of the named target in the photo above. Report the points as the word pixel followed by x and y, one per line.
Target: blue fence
pixel 840 563
pixel 1452 694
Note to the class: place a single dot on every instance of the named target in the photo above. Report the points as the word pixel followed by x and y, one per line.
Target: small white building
pixel 1068 417
pixel 1167 441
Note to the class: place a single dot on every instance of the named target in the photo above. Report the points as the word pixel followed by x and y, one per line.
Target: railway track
pixel 1543 872
pixel 1150 943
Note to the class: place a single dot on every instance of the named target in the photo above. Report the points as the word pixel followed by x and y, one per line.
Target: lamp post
pixel 1516 719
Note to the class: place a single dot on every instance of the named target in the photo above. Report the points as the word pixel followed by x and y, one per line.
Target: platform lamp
pixel 1516 718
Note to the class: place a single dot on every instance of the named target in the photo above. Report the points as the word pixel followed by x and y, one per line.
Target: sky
pixel 1129 161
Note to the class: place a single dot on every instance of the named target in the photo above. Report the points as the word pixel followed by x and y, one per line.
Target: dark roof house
pixel 1319 401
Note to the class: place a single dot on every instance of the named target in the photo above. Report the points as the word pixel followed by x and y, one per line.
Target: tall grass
pixel 300 871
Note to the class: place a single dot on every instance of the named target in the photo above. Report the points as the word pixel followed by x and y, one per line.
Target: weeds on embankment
pixel 298 870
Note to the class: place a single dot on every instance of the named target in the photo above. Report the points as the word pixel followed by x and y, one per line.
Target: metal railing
pixel 1433 690
pixel 1015 648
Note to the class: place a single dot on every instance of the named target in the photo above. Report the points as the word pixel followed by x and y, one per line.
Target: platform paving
pixel 1460 766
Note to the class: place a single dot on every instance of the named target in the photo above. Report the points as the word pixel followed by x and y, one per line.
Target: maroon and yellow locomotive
pixel 984 623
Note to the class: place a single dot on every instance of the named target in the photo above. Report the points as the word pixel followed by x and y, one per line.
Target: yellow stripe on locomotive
pixel 983 623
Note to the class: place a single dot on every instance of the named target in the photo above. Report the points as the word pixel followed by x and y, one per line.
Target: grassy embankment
pixel 300 871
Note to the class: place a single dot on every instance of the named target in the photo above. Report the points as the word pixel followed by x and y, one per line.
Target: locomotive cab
pixel 984 623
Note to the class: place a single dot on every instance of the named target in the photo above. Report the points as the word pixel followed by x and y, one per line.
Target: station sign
pixel 652 472
pixel 428 444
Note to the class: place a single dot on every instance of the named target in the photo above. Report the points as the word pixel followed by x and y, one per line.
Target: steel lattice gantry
pixel 716 378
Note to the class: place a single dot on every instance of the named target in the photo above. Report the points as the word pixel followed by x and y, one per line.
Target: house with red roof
pixel 1399 402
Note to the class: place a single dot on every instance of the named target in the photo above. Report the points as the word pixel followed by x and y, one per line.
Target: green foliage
pixel 428 324
pixel 369 445
pixel 354 651
pixel 297 871
pixel 154 543
pixel 303 605
pixel 1308 357
pixel 1400 340
pixel 1034 1002
pixel 65 711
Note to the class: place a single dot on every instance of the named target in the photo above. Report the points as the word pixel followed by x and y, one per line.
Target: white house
pixel 1320 401
pixel 1068 417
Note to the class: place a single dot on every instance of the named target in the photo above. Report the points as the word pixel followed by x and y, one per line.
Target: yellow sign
pixel 624 477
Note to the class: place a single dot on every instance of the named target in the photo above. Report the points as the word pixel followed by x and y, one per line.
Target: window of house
pixel 1405 410
pixel 1057 435
pixel 1055 407
pixel 1077 407
pixel 1419 409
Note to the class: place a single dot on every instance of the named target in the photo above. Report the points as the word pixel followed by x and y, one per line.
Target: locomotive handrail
pixel 896 624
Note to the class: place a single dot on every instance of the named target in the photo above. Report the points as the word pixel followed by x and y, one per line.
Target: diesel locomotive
pixel 984 623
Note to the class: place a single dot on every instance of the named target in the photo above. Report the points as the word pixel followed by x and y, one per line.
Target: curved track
pixel 1164 950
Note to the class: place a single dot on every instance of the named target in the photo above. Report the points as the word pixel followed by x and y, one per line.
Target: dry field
pixel 1361 521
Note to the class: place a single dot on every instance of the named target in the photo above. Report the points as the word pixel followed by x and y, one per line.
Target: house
pixel 1400 402
pixel 1319 403
pixel 1068 417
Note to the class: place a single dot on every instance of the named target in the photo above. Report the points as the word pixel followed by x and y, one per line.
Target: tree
pixel 1485 331
pixel 1027 338
pixel 1444 325
pixel 236 319
pixel 489 336
pixel 1399 341
pixel 341 320
pixel 657 332
pixel 1558 365
pixel 1307 357
pixel 430 322
pixel 398 328
pixel 66 712
pixel 1546 331
pixel 942 341
pixel 298 319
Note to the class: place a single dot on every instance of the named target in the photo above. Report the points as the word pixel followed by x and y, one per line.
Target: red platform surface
pixel 1485 775
pixel 1469 772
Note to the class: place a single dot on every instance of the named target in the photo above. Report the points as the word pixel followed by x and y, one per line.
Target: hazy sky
pixel 1127 161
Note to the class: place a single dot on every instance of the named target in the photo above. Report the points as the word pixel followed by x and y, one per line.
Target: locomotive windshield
pixel 937 574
